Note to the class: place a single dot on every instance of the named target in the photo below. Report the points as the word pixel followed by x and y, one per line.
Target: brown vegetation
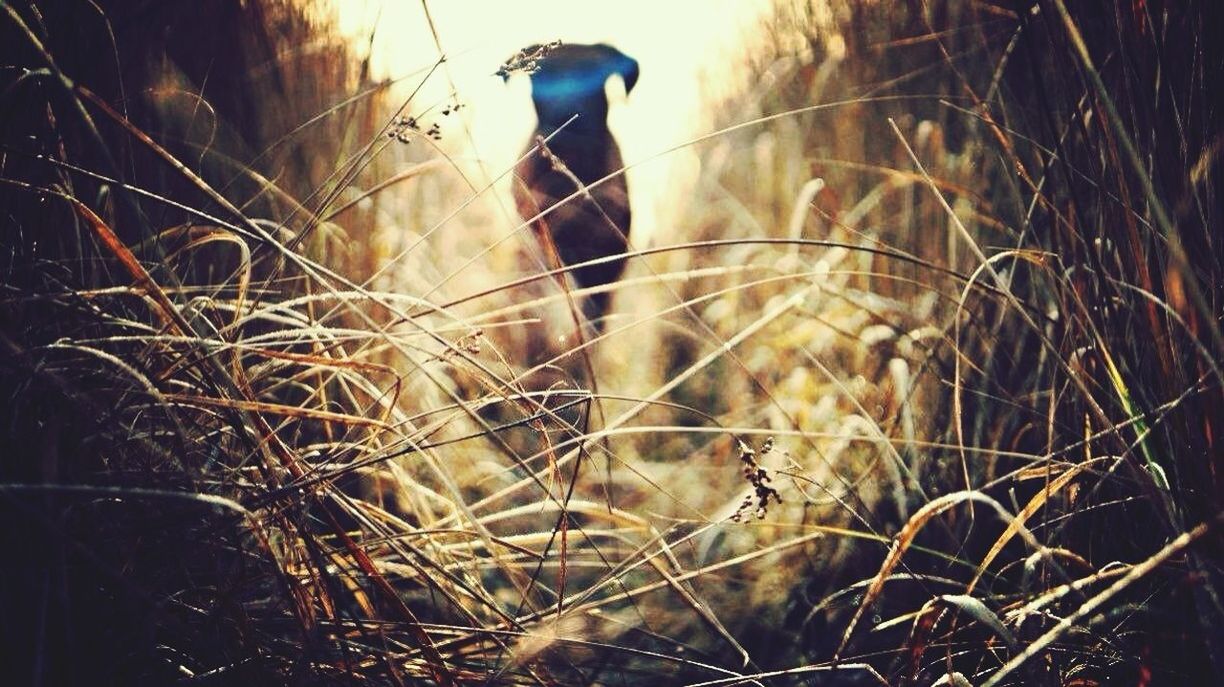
pixel 924 390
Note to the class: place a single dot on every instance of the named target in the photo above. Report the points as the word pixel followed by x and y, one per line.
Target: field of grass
pixel 921 387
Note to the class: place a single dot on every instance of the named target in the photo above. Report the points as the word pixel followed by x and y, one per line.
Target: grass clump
pixel 924 391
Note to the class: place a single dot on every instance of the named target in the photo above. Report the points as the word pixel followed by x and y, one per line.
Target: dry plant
pixel 923 389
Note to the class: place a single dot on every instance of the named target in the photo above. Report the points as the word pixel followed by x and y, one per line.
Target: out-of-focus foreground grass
pixel 922 388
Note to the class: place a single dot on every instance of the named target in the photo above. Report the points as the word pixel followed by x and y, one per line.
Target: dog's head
pixel 569 79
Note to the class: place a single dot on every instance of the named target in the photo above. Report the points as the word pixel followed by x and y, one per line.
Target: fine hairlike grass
pixel 922 387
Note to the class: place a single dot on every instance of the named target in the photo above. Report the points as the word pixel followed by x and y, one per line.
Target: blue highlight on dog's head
pixel 569 79
pixel 577 72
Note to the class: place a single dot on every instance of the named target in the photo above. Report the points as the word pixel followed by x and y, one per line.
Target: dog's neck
pixel 559 114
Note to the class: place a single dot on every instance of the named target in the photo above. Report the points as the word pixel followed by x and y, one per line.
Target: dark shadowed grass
pixel 925 390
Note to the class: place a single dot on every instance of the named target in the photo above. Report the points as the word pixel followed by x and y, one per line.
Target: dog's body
pixel 568 92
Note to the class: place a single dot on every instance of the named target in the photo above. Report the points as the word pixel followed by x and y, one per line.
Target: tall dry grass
pixel 923 389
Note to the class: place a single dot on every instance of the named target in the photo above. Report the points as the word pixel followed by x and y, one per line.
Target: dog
pixel 567 89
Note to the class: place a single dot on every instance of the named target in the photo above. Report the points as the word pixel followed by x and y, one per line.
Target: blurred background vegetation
pixel 916 381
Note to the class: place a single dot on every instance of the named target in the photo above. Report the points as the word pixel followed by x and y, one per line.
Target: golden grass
pixel 922 389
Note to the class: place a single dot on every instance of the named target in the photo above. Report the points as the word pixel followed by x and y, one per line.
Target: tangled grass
pixel 928 394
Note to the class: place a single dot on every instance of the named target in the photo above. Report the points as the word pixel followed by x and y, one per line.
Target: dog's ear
pixel 618 62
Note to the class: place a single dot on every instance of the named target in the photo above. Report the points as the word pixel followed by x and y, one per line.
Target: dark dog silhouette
pixel 569 80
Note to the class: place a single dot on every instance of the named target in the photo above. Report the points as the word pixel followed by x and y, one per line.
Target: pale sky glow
pixel 687 50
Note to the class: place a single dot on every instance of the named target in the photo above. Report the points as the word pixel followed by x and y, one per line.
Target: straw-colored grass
pixel 922 389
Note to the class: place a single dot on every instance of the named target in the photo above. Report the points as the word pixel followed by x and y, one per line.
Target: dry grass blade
pixel 902 541
pixel 1052 487
pixel 1092 605
pixel 977 610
